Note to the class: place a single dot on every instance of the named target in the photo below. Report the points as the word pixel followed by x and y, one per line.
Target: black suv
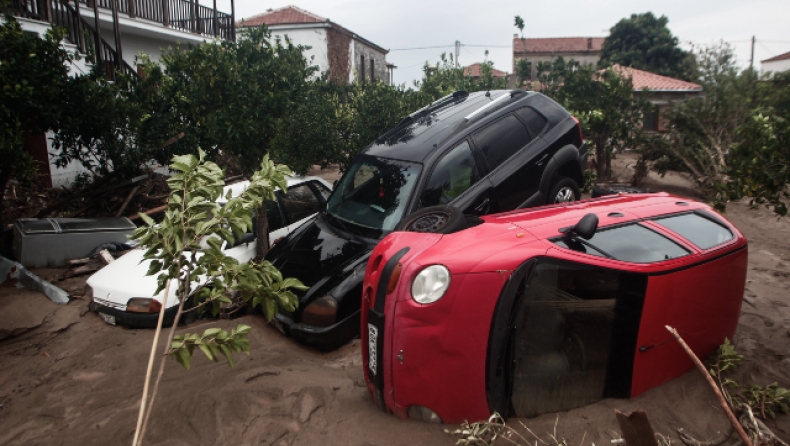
pixel 480 153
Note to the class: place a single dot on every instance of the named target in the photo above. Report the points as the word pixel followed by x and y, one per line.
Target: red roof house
pixel 474 71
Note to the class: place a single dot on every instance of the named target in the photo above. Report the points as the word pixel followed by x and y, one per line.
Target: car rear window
pixel 629 243
pixel 699 230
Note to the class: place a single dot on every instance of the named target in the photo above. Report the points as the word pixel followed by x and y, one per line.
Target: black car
pixel 479 153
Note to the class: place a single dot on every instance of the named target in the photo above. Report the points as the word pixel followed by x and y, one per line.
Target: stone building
pixel 345 55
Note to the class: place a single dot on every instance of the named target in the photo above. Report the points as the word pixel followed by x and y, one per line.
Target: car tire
pixel 435 219
pixel 563 190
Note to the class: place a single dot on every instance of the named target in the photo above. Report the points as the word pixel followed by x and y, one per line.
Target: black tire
pixel 436 219
pixel 563 190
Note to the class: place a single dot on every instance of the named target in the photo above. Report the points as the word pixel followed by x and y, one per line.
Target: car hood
pixel 125 278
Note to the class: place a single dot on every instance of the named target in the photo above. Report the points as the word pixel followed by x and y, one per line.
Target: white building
pixel 776 64
pixel 344 54
pixel 121 29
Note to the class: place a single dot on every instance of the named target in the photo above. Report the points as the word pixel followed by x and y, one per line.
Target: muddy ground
pixel 67 378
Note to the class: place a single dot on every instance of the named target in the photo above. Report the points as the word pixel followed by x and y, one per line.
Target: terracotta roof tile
pixel 557 45
pixel 655 82
pixel 474 71
pixel 784 56
pixel 286 15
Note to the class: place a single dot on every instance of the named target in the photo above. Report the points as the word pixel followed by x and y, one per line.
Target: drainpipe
pixel 232 21
pixel 216 20
pixel 99 58
pixel 165 13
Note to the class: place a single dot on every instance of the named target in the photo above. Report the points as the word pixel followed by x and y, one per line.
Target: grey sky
pixel 411 23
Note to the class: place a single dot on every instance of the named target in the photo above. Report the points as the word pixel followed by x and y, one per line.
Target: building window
pixel 362 68
pixel 372 71
pixel 650 123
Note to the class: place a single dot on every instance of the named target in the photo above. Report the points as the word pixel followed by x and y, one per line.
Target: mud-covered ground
pixel 67 378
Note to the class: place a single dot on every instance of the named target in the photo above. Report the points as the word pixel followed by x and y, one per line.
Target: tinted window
pixel 535 121
pixel 454 173
pixel 630 243
pixel 501 140
pixel 300 202
pixel 697 229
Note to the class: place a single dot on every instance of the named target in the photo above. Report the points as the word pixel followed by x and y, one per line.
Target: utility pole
pixel 751 61
pixel 457 51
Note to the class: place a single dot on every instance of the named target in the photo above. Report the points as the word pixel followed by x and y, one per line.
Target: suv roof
pixel 415 138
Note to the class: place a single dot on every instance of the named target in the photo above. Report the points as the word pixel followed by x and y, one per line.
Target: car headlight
pixel 143 305
pixel 322 312
pixel 430 284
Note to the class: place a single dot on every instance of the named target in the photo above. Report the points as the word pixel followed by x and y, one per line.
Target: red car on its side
pixel 548 309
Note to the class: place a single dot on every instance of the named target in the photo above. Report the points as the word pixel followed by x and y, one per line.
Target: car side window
pixel 501 140
pixel 535 122
pixel 323 190
pixel 618 243
pixel 454 173
pixel 274 216
pixel 300 202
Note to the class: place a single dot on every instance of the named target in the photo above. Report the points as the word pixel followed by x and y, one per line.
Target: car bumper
pixel 323 338
pixel 134 320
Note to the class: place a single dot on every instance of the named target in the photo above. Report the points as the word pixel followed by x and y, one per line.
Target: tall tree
pixel 644 42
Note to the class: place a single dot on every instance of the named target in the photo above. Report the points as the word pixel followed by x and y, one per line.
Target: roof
pixel 291 15
pixel 474 71
pixel 784 56
pixel 557 45
pixel 655 82
pixel 281 16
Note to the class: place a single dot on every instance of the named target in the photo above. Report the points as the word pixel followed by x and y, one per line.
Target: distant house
pixel 344 54
pixel 474 71
pixel 584 50
pixel 661 91
pixel 776 64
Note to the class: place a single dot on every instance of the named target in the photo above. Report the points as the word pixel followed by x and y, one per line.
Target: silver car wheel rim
pixel 564 195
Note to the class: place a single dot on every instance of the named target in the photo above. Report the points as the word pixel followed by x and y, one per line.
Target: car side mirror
pixel 585 228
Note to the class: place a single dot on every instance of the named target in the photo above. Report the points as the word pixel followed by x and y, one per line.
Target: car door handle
pixel 542 159
pixel 482 207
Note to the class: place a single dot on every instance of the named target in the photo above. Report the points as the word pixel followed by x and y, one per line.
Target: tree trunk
pixel 5 176
pixel 261 224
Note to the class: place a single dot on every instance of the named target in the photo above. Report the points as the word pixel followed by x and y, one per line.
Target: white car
pixel 123 294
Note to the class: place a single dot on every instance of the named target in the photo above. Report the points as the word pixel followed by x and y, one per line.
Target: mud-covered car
pixel 122 293
pixel 548 309
pixel 480 152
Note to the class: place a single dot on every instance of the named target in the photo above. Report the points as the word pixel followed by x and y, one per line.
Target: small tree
pixel 193 220
pixel 33 74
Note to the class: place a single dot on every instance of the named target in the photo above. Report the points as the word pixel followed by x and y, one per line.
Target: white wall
pixel 313 37
pixel 776 66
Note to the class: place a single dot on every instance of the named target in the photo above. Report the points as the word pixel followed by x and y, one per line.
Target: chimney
pixel 589 43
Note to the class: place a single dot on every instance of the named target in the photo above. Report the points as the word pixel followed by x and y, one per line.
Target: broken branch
pixel 734 421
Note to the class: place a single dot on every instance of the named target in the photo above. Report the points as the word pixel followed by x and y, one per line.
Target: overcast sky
pixel 480 25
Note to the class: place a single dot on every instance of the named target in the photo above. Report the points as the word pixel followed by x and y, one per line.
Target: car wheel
pixel 564 190
pixel 436 219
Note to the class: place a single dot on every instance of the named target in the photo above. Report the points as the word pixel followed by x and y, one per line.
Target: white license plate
pixel 373 336
pixel 107 318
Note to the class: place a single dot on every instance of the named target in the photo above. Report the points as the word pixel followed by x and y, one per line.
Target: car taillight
pixel 143 305
pixel 579 125
pixel 320 313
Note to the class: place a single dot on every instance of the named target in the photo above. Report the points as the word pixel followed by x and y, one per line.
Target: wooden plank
pixel 106 257
pixel 636 428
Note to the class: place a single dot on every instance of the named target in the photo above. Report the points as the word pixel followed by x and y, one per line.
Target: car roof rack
pixel 428 109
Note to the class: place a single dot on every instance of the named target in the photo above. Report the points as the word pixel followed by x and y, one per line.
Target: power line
pixel 422 48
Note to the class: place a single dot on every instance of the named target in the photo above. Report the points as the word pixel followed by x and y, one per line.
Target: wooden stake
pixel 126 202
pixel 106 257
pixel 734 421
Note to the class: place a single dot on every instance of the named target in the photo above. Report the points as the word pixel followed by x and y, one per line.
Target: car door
pixel 452 179
pixel 299 203
pixel 507 148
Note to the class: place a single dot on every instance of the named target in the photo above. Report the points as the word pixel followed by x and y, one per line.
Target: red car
pixel 548 309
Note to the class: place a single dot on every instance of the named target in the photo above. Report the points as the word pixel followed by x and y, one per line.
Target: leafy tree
pixel 335 121
pixel 609 110
pixel 33 74
pixel 644 42
pixel 703 130
pixel 444 78
pixel 207 277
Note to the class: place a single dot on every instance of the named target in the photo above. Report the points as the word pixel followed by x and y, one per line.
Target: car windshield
pixel 373 193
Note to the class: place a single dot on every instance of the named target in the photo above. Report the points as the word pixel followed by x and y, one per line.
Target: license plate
pixel 373 336
pixel 107 318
